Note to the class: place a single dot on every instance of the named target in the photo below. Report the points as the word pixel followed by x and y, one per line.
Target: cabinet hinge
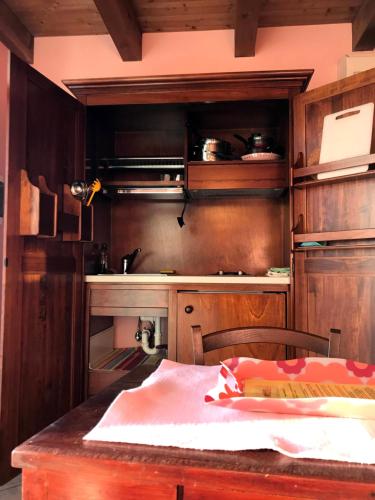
pixel 6 262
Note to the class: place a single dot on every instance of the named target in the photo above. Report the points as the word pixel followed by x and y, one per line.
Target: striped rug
pixel 124 359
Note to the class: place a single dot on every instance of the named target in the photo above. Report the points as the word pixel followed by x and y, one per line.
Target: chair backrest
pixel 249 335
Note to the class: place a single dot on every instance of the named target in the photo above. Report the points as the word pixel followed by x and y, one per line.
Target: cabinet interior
pixel 243 227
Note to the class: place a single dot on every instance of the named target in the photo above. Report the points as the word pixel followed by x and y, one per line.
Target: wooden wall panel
pixel 228 234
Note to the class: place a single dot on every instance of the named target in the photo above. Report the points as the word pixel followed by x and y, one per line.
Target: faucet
pixel 127 260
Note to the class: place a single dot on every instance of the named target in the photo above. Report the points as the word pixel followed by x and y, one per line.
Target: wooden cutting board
pixel 346 134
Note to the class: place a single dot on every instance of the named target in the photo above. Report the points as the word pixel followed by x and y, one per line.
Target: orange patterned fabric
pixel 229 389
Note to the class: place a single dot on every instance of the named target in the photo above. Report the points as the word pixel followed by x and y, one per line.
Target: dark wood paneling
pixel 228 234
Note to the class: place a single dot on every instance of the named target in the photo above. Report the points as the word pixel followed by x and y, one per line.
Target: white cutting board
pixel 346 134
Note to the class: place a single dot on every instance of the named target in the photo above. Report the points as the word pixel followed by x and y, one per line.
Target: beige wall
pixel 297 47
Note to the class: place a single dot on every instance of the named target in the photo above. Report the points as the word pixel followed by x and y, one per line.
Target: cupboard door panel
pixel 42 342
pixel 219 311
pixel 46 351
pixel 338 292
pixel 335 288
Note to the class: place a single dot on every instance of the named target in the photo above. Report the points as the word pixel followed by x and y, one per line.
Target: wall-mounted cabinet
pixel 146 143
pixel 157 150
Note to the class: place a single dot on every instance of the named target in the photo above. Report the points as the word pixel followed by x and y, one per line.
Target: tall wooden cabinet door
pixel 219 311
pixel 335 283
pixel 42 341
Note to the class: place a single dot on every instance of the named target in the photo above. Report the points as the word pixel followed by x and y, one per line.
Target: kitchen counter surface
pixel 162 278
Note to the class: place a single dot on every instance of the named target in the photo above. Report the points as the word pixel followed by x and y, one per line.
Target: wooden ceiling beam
pixel 123 26
pixel 363 27
pixel 246 26
pixel 15 35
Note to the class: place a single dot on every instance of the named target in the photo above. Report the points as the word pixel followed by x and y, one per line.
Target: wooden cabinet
pixel 334 283
pixel 220 310
pixel 113 317
pixel 338 292
pixel 43 360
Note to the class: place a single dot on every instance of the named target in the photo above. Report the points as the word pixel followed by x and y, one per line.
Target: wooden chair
pixel 216 340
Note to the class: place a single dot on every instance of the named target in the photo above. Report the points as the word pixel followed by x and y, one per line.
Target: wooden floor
pixel 11 490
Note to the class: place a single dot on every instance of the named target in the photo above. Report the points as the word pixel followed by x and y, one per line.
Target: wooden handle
pixel 90 199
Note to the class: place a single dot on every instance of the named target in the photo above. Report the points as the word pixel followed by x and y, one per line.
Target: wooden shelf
pixel 38 214
pixel 302 172
pixel 119 184
pixel 223 163
pixel 333 247
pixel 237 175
pixel 77 221
pixel 341 178
pixel 353 234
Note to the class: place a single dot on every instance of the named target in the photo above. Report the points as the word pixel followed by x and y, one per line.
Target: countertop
pixel 163 278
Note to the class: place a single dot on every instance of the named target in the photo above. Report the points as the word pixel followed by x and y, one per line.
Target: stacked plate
pixel 261 156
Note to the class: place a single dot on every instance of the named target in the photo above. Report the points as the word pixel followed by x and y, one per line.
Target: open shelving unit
pixel 306 177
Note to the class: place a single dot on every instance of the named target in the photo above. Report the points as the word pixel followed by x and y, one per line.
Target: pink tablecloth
pixel 169 410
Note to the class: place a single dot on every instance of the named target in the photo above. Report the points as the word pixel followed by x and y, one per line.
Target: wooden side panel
pixel 219 311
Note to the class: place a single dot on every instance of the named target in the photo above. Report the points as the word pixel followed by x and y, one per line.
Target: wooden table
pixel 58 465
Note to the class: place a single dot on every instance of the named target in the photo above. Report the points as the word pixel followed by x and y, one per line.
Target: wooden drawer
pixel 128 298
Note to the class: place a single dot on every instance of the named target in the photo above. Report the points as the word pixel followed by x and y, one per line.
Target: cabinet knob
pixel 189 309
